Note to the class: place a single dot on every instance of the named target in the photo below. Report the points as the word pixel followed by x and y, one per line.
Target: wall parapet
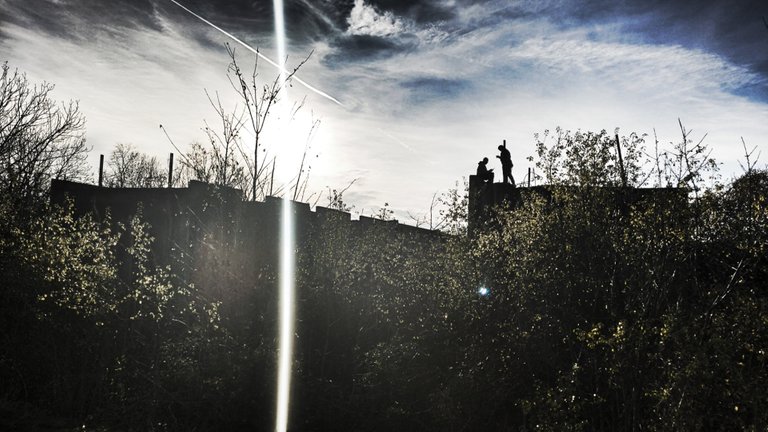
pixel 181 218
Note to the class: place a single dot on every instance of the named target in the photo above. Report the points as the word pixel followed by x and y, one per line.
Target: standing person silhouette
pixel 506 164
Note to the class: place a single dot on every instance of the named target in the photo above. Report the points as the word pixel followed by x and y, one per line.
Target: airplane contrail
pixel 262 56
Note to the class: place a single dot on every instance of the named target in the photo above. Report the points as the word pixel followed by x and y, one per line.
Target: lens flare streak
pixel 287 256
pixel 287 289
pixel 287 240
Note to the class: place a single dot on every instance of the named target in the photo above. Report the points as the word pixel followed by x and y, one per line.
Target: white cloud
pixel 365 20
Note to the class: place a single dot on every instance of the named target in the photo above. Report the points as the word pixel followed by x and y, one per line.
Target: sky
pixel 426 88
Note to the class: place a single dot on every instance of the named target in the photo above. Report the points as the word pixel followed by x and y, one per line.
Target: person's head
pixel 501 147
pixel 485 160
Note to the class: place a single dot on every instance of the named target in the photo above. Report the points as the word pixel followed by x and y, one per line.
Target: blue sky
pixel 428 88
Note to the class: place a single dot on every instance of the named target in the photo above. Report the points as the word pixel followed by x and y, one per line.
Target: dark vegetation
pixel 600 316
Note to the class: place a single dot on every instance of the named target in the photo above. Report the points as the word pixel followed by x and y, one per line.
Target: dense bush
pixel 603 313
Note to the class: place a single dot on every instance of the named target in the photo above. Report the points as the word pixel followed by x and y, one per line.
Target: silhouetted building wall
pixel 484 197
pixel 184 220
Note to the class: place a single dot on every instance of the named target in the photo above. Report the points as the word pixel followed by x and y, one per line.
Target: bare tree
pixel 749 166
pixel 336 198
pixel 258 101
pixel 39 138
pixel 127 167
pixel 433 218
pixel 225 158
pixel 300 189
pixel 447 212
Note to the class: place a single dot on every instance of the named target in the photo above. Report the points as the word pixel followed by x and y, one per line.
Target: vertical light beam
pixel 285 353
pixel 287 255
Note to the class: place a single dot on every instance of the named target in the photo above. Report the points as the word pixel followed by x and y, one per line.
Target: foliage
pixel 39 139
pixel 588 158
pixel 585 306
pixel 128 336
pixel 608 308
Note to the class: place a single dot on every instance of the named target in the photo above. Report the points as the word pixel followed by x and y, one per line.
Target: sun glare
pixel 287 142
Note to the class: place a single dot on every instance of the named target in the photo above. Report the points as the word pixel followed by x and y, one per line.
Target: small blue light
pixel 483 291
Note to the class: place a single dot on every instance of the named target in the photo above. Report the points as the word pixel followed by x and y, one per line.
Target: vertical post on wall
pixel 529 176
pixel 170 171
pixel 621 163
pixel 272 176
pixel 101 169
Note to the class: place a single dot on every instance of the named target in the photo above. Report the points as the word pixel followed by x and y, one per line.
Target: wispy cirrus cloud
pixel 452 100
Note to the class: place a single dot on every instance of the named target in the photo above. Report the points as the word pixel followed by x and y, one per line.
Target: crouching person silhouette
pixel 483 173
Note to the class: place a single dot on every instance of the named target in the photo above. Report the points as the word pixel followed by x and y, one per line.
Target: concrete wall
pixel 483 197
pixel 184 220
